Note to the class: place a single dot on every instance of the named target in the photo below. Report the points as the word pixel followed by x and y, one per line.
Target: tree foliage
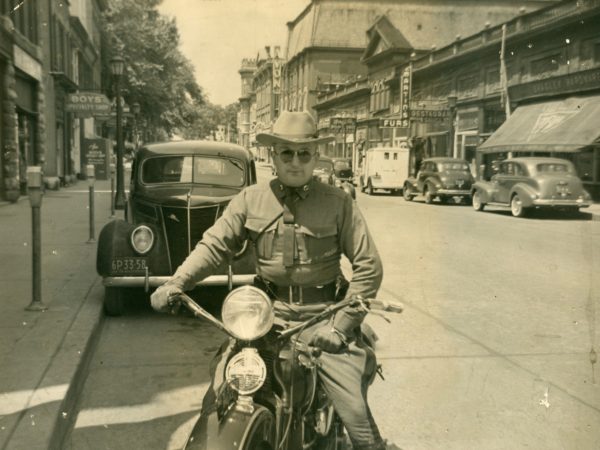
pixel 157 75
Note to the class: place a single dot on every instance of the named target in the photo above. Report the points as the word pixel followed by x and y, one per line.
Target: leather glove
pixel 328 339
pixel 160 298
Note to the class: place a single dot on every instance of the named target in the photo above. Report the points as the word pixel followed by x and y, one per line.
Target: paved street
pixel 492 352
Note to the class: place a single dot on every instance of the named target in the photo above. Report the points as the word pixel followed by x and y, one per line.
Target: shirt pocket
pixel 317 242
pixel 263 240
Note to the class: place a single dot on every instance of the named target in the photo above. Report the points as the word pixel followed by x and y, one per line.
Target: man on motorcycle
pixel 300 228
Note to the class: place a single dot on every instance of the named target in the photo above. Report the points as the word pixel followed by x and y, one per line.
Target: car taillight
pixel 142 239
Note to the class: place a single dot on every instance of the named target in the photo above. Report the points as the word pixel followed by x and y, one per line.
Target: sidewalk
pixel 41 353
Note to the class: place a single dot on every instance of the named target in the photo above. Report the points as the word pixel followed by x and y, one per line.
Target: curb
pixel 68 368
pixel 91 322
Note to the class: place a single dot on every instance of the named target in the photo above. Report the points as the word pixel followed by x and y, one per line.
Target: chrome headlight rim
pixel 139 229
pixel 242 297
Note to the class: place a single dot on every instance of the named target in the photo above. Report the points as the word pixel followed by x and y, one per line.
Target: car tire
pixel 370 190
pixel 407 193
pixel 478 205
pixel 428 195
pixel 516 206
pixel 114 301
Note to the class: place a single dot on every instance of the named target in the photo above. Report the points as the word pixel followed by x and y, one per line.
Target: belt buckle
pixel 295 292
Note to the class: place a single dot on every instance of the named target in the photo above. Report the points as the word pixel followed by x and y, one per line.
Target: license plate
pixel 128 265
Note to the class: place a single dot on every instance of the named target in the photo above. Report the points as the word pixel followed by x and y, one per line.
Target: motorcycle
pixel 271 398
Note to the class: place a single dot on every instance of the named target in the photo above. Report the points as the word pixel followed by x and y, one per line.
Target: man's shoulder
pixel 258 189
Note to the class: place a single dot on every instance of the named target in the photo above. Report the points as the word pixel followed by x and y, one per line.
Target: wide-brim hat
pixel 295 128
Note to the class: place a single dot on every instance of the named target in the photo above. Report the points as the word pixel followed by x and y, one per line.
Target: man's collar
pixel 281 189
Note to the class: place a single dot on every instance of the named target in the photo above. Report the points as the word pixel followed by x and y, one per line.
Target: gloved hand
pixel 328 340
pixel 160 298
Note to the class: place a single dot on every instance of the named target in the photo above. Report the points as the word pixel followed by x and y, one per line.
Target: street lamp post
pixel 452 110
pixel 117 66
pixel 135 109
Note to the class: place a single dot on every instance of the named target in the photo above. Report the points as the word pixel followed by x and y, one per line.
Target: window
pixel 386 155
pixel 546 64
pixel 553 168
pixel 188 169
pixel 395 156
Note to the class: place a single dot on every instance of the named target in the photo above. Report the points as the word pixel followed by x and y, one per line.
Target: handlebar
pixel 388 306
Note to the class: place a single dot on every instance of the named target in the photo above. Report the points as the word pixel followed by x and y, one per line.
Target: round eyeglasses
pixel 287 155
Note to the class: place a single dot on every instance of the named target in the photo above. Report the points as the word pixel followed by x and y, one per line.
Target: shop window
pixel 584 164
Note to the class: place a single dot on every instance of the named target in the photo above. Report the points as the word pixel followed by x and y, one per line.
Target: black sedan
pixel 178 190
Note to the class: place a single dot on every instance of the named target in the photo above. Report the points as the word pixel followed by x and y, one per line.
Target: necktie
pixel 289 233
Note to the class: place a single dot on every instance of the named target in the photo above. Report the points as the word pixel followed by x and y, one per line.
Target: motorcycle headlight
pixel 247 313
pixel 142 239
pixel 246 372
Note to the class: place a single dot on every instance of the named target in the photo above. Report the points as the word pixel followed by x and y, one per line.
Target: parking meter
pixel 34 188
pixel 91 176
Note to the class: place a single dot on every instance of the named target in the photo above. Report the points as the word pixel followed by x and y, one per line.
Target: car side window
pixel 519 171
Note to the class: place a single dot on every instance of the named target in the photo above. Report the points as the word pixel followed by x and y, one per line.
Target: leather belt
pixel 300 295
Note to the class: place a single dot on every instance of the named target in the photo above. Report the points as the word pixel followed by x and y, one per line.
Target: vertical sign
pixel 276 76
pixel 405 80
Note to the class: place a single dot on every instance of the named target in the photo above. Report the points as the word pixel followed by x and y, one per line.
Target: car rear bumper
pixel 148 282
pixel 562 203
pixel 454 192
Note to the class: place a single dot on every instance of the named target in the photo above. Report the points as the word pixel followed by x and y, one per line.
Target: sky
pixel 217 34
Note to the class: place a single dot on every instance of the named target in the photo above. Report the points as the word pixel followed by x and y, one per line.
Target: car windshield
pixel 324 165
pixel 459 166
pixel 553 168
pixel 341 165
pixel 211 170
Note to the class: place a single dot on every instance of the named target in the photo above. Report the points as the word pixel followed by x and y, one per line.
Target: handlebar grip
pixel 389 306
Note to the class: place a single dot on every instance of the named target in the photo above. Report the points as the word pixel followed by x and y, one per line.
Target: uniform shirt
pixel 328 224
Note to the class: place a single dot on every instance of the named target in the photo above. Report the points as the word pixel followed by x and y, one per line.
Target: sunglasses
pixel 287 155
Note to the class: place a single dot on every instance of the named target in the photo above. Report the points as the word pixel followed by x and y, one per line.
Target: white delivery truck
pixel 385 168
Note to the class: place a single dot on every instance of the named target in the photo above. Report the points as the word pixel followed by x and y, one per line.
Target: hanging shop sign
pixel 405 113
pixel 88 104
pixel 342 124
pixel 429 115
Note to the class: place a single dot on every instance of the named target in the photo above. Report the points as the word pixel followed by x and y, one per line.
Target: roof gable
pixel 384 36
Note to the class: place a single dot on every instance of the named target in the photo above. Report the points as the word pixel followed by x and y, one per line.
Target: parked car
pixel 532 182
pixel 385 168
pixel 444 178
pixel 342 169
pixel 323 170
pixel 177 191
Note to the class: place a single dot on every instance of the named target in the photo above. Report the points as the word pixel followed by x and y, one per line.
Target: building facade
pixel 246 101
pixel 373 40
pixel 22 126
pixel 551 68
pixel 266 85
pixel 41 45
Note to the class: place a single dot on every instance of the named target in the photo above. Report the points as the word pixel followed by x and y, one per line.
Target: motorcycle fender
pixel 238 430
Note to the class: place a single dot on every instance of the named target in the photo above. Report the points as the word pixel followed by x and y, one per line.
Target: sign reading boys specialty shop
pixel 88 104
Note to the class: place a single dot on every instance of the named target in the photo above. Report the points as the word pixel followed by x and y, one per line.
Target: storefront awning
pixel 553 126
